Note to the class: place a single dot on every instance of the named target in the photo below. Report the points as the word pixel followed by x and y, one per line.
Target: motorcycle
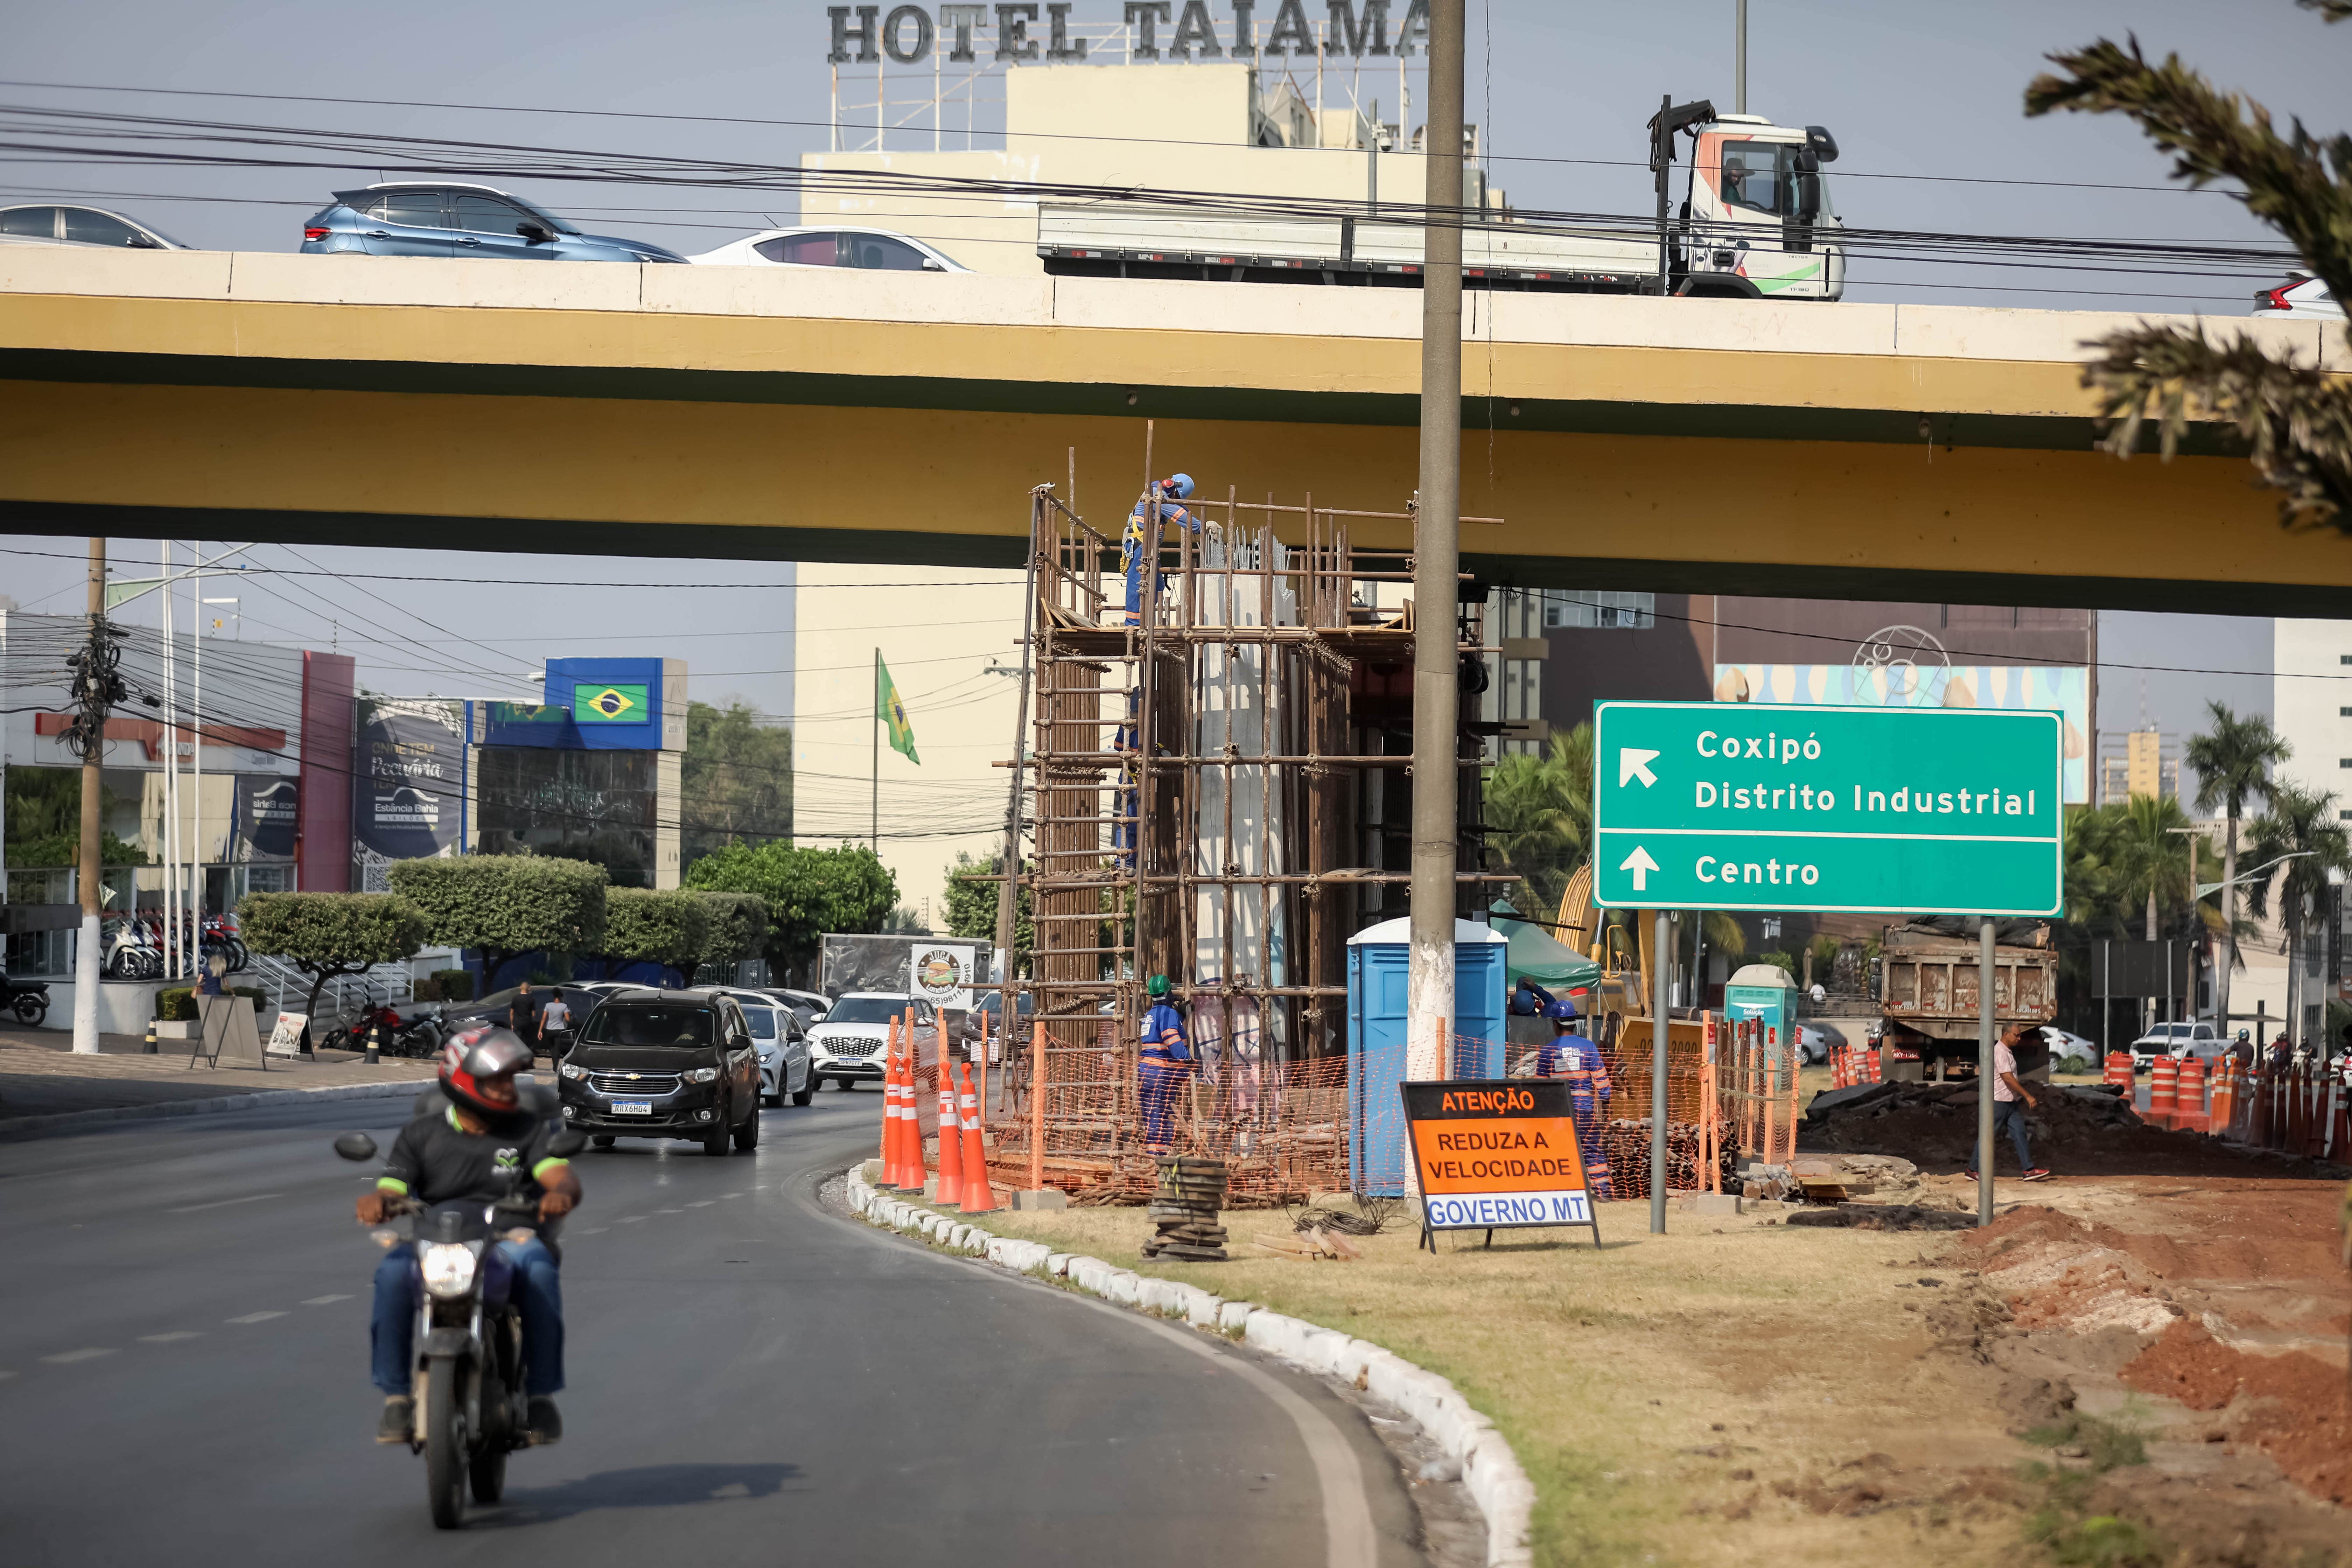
pixel 131 952
pixel 471 1408
pixel 27 999
pixel 419 1035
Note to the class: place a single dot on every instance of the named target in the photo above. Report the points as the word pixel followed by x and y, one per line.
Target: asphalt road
pixel 183 1379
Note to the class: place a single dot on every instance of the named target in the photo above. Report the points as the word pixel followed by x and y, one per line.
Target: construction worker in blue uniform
pixel 1529 1000
pixel 1167 1058
pixel 1140 547
pixel 1569 1055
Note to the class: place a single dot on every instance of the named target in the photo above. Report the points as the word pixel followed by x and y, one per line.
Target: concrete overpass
pixel 1714 446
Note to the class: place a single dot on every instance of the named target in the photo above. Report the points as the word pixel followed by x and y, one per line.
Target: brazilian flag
pixel 891 711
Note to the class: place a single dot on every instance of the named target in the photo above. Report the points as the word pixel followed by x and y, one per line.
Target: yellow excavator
pixel 1622 950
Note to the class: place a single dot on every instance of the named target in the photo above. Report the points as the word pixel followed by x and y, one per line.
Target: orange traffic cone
pixel 889 1154
pixel 906 1174
pixel 950 1142
pixel 979 1197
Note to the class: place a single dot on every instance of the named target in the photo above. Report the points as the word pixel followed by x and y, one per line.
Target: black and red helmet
pixel 477 1069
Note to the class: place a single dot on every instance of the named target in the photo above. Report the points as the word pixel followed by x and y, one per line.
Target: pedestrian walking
pixel 2012 1099
pixel 1166 1059
pixel 555 1027
pixel 523 1017
pixel 208 978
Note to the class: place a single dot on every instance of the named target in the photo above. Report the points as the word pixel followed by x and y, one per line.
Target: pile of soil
pixel 2294 1408
pixel 2076 1130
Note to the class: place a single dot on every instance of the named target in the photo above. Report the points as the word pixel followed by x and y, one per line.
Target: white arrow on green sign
pixel 1751 806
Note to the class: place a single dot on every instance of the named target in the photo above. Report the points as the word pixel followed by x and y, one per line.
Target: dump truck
pixel 1755 223
pixel 1928 989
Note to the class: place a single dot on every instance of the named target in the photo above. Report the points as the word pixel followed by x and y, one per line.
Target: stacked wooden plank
pixel 1184 1209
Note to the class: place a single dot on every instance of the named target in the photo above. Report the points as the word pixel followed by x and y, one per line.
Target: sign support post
pixel 1984 1071
pixel 1658 1078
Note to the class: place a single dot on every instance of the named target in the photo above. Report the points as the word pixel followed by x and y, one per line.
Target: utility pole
pixel 1739 72
pixel 1436 568
pixel 874 822
pixel 95 687
pixel 1985 1037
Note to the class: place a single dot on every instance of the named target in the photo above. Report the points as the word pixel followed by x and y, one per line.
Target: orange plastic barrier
pixel 2119 1068
pixel 2163 1091
pixel 2189 1113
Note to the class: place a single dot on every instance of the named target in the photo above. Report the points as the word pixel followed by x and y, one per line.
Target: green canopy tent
pixel 1532 951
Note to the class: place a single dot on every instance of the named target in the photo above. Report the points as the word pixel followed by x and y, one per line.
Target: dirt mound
pixel 2060 1272
pixel 2076 1130
pixel 2294 1408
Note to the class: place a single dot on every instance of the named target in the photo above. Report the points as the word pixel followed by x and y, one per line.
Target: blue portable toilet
pixel 1378 958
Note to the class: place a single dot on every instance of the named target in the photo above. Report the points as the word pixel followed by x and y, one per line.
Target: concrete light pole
pixel 89 955
pixel 1436 689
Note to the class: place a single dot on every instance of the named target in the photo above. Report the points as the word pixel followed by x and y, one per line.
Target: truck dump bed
pixel 1153 241
pixel 1929 983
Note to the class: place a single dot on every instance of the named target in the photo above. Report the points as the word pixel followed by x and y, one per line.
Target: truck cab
pixel 1756 222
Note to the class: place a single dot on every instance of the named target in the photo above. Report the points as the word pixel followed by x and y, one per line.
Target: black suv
pixel 664 1064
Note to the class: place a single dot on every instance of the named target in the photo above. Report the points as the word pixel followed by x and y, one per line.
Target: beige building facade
pixel 1227 127
pixel 939 639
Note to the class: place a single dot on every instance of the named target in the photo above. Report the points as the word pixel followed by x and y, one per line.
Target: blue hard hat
pixel 1562 1010
pixel 1182 484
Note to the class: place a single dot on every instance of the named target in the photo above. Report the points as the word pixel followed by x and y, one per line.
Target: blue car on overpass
pixel 412 218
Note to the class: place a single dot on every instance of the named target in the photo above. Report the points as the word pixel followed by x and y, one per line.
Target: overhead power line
pixel 108 137
pixel 829 125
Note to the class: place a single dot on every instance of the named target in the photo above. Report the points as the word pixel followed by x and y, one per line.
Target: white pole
pixel 196 757
pixel 170 771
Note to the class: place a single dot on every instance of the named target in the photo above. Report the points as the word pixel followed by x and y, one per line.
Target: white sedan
pixel 872 249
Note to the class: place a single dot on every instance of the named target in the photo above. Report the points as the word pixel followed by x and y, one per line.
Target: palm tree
pixel 2149 857
pixel 2233 761
pixel 2296 418
pixel 1540 813
pixel 2300 829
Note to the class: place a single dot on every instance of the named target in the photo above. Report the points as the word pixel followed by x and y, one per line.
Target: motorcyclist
pixel 470 1152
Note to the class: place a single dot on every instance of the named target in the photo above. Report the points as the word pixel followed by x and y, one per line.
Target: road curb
pixel 64 1120
pixel 1490 1471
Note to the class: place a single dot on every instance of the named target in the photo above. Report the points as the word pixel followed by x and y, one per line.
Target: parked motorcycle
pixel 27 999
pixel 471 1408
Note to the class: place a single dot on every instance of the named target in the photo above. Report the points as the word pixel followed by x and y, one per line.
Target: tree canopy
pixel 2233 759
pixel 665 928
pixel 328 934
pixel 971 906
pixel 807 891
pixel 738 925
pixel 736 784
pixel 1540 815
pixel 507 904
pixel 2296 418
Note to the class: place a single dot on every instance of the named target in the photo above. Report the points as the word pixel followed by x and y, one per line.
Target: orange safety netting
pixel 1287 1130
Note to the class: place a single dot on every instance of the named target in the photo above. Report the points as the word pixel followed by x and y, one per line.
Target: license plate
pixel 633 1108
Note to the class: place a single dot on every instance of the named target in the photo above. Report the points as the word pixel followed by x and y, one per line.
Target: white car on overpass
pixel 2301 295
pixel 833 245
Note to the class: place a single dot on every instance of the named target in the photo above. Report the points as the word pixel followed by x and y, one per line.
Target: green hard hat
pixel 1157 986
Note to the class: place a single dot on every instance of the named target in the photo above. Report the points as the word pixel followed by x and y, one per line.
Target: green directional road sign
pixel 1730 806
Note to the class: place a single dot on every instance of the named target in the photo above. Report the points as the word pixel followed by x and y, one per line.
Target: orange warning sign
pixel 1491 1153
